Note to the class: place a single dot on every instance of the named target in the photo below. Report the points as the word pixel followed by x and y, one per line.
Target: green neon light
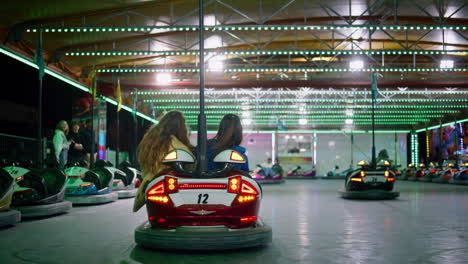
pixel 304 115
pixel 69 81
pixel 298 100
pixel 316 122
pixel 188 28
pixel 443 125
pixel 248 107
pixel 300 92
pixel 315 131
pixel 260 70
pixel 268 52
pixel 417 113
pixel 322 120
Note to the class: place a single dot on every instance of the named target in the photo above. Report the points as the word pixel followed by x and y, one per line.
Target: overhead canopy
pixel 303 64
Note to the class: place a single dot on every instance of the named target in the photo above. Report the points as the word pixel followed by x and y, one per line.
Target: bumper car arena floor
pixel 428 223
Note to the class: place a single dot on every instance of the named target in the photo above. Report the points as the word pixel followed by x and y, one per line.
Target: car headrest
pixel 100 163
pixel 125 164
pixel 51 162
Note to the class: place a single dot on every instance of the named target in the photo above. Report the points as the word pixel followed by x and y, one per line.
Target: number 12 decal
pixel 201 196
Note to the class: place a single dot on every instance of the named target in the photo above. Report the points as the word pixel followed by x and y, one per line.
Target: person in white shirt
pixel 61 143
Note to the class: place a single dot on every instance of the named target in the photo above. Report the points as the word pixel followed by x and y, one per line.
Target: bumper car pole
pixel 202 162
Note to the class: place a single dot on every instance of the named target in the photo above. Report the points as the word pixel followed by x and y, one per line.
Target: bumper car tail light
pixel 234 184
pixel 248 219
pixel 356 179
pixel 156 189
pixel 362 174
pixel 245 198
pixel 188 186
pixel 162 199
pixel 386 174
pixel 248 188
pixel 390 179
pixel 171 185
pixel 86 184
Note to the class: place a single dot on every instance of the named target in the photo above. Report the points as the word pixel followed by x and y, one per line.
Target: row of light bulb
pixel 216 64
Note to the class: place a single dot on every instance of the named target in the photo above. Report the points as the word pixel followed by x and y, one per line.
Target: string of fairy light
pixel 310 100
pixel 269 52
pixel 188 28
pixel 266 70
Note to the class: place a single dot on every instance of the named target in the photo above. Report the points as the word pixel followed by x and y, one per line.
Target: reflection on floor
pixel 427 224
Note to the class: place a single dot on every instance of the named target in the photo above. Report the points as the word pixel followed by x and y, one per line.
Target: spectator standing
pixel 76 151
pixel 61 143
pixel 87 135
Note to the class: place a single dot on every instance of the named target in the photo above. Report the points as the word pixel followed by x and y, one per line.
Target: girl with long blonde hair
pixel 170 133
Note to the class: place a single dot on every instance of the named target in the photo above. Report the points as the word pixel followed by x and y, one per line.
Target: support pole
pixel 202 166
pixel 457 145
pixel 39 150
pixel 117 149
pixel 396 149
pixel 374 162
pixel 135 131
pixel 352 150
pixel 439 153
pixel 93 135
pixel 39 127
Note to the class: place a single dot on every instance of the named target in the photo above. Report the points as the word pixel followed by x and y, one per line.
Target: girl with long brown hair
pixel 170 133
pixel 229 136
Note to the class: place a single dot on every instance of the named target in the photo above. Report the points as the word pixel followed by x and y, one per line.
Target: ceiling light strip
pixel 188 28
pixel 268 52
pixel 69 81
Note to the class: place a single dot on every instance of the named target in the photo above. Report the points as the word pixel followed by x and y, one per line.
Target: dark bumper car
pixel 125 178
pixel 408 173
pixel 7 217
pixel 266 176
pixel 461 177
pixel 87 187
pixel 297 174
pixel 420 173
pixel 370 183
pixel 38 192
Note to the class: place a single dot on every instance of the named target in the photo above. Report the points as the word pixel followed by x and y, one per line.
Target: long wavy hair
pixel 229 133
pixel 157 140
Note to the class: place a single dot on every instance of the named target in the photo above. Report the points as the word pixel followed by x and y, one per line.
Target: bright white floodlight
pixel 356 64
pixel 349 112
pixel 247 121
pixel 446 64
pixel 163 78
pixel 302 121
pixel 349 121
pixel 216 63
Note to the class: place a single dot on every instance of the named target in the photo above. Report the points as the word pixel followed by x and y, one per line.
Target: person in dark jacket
pixel 277 168
pixel 76 151
pixel 87 135
pixel 229 136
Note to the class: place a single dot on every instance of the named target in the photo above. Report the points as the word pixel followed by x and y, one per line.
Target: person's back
pixel 170 133
pixel 229 136
pixel 211 154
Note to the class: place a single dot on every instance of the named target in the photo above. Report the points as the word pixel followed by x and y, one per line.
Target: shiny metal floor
pixel 427 224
